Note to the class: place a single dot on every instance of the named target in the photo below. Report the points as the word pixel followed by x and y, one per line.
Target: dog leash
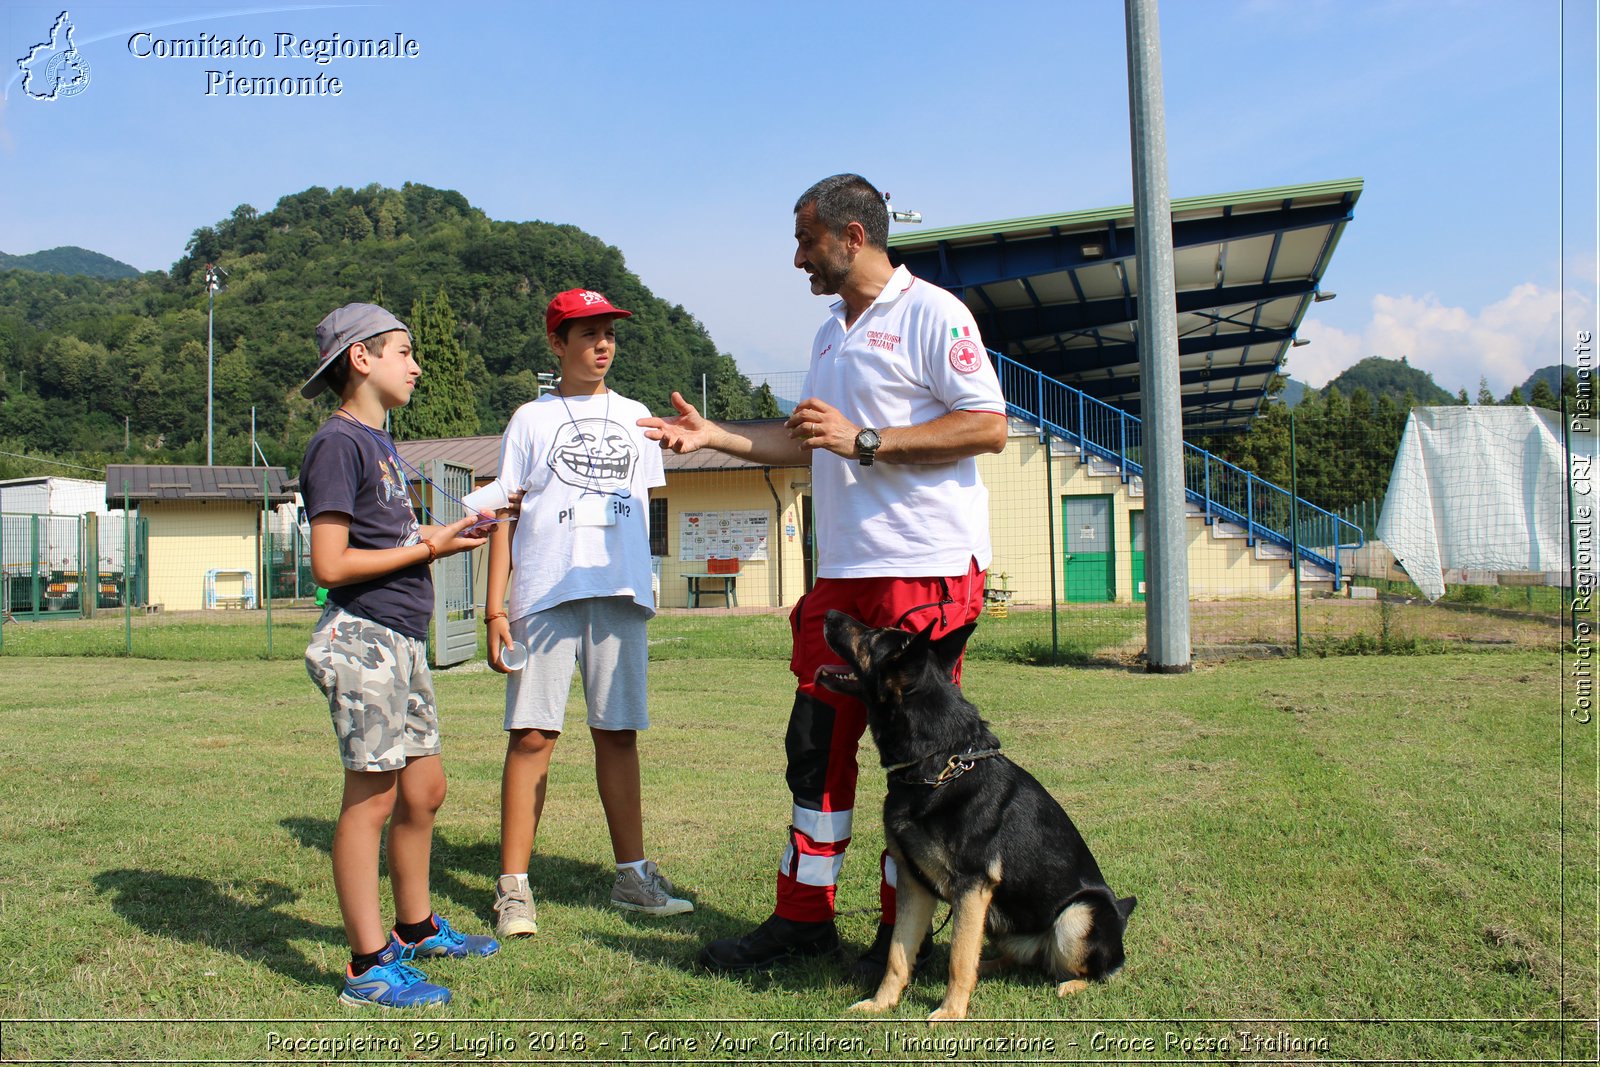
pixel 954 768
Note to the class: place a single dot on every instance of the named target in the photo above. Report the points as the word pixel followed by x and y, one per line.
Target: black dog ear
pixel 920 640
pixel 1125 907
pixel 947 649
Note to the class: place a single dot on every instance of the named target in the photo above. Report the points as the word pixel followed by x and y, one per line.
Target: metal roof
pixel 1059 293
pixel 146 482
pixel 482 454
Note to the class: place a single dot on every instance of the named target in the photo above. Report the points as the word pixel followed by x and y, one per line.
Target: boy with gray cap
pixel 367 656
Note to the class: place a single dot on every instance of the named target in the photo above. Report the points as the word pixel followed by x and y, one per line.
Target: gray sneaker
pixel 649 892
pixel 514 912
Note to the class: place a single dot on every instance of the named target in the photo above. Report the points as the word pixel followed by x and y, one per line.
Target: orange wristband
pixel 433 553
pixel 493 615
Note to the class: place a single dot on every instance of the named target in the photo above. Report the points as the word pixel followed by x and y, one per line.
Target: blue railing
pixel 1221 490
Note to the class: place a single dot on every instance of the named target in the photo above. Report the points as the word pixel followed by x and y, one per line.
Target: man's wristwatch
pixel 867 442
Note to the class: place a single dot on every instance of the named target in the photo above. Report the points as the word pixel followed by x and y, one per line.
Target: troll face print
pixel 594 454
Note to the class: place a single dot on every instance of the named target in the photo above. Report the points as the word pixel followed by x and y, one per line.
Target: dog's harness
pixel 954 768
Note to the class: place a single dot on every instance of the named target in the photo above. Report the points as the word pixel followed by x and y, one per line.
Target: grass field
pixel 1081 634
pixel 1353 858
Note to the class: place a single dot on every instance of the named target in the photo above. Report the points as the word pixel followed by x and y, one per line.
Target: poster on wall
pixel 723 534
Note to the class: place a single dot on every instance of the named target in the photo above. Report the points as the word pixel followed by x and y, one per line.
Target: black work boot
pixel 773 942
pixel 868 971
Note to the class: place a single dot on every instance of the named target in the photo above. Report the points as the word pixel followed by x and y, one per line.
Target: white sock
pixel 637 867
pixel 522 880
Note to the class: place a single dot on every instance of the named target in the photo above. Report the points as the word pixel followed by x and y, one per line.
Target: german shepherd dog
pixel 967 826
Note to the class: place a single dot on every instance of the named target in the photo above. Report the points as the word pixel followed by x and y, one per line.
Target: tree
pixel 765 405
pixel 1485 396
pixel 357 227
pixel 444 403
pixel 231 391
pixel 518 389
pixel 315 250
pixel 1544 397
pixel 390 212
pixel 1389 377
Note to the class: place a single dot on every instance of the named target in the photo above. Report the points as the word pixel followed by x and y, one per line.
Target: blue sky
pixel 681 133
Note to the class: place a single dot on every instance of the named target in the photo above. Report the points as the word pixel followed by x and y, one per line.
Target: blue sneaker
pixel 391 983
pixel 451 942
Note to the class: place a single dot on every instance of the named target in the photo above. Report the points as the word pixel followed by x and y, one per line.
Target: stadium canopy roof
pixel 1059 293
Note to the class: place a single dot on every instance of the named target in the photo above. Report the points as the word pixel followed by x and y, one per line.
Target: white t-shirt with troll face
pixel 584 527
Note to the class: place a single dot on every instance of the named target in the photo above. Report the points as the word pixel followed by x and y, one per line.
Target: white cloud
pixel 1331 350
pixel 1503 342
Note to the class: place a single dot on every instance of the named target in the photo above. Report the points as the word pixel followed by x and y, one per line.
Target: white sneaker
pixel 514 912
pixel 647 891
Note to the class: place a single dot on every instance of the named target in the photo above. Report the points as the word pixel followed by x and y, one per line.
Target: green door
pixel 1136 521
pixel 1089 560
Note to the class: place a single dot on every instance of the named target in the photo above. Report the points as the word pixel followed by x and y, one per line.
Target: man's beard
pixel 827 278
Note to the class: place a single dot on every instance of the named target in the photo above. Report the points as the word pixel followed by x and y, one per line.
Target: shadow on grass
pixel 465 874
pixel 241 918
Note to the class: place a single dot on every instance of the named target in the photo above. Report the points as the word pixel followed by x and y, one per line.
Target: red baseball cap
pixel 579 304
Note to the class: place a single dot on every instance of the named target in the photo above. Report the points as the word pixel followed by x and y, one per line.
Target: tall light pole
pixel 213 285
pixel 1167 648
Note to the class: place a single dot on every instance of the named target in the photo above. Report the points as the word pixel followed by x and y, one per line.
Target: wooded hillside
pixel 85 360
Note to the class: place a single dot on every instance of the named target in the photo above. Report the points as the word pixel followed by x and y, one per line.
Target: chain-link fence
pixel 186 579
pixel 1068 583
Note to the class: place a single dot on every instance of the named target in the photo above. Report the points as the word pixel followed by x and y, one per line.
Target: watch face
pixel 867 439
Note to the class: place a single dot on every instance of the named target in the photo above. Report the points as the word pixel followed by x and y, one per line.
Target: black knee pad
pixel 808 742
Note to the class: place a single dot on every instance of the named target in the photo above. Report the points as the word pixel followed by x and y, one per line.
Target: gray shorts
pixel 379 691
pixel 605 638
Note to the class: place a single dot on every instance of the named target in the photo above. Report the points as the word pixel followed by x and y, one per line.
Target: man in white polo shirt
pixel 901 399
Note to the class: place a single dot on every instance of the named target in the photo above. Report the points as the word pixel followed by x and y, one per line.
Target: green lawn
pixel 1338 859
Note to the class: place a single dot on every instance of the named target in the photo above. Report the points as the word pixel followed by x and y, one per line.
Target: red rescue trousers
pixel 825 727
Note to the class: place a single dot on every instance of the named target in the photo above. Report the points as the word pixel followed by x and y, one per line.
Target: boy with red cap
pixel 577 561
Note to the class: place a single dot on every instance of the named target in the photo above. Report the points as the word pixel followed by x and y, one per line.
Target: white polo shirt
pixel 911 357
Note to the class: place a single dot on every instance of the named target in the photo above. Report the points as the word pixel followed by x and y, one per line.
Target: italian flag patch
pixel 957 332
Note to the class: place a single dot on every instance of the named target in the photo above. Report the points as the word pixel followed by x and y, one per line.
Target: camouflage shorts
pixel 379 691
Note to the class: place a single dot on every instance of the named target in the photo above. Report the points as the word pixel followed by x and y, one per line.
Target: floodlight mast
pixel 901 216
pixel 1167 645
pixel 213 286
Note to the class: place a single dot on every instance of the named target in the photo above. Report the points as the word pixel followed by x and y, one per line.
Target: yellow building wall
pixel 1023 518
pixel 1226 568
pixel 189 538
pixel 758 584
pixel 779 580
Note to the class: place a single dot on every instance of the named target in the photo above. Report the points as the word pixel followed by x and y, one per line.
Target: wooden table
pixel 728 591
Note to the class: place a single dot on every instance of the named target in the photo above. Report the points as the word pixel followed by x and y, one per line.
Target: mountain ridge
pixel 69 259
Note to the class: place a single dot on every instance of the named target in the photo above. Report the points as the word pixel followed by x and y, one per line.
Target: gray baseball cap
pixel 342 328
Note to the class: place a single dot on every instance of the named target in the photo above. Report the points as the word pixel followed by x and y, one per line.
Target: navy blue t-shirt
pixel 351 469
